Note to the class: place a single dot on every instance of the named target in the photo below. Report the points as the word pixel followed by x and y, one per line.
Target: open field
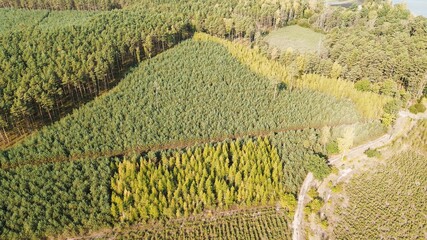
pixel 298 38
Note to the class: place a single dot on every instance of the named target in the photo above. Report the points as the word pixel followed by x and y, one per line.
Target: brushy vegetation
pixel 388 202
pixel 252 223
pixel 332 148
pixel 417 108
pixel 297 38
pixel 39 201
pixel 372 153
pixel 363 131
pixel 370 105
pixel 196 90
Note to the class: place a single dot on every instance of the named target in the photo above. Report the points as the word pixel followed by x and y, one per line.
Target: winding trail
pixel 355 152
pixel 298 217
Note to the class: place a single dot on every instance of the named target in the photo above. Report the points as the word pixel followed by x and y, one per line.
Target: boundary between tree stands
pixel 207 217
pixel 177 144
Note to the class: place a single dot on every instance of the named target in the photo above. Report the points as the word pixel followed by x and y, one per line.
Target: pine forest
pixel 213 119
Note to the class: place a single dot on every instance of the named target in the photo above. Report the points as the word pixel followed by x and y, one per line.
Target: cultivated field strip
pixel 252 223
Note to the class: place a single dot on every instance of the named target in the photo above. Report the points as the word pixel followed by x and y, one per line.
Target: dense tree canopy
pixel 62 4
pixel 39 201
pixel 210 89
pixel 70 198
pixel 369 105
pixel 61 59
pixel 45 69
pixel 379 43
pixel 210 177
pixel 195 90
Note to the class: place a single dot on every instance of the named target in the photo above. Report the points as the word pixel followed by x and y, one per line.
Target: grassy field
pixel 295 37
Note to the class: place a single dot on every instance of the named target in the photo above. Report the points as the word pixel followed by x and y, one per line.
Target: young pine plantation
pixel 389 201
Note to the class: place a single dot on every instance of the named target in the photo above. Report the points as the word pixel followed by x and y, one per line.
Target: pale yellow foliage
pixel 370 105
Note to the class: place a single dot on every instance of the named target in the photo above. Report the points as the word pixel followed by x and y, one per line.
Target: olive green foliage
pixel 315 203
pixel 38 201
pixel 317 166
pixel 387 202
pixel 314 206
pixel 417 108
pixel 393 106
pixel 332 148
pixel 295 37
pixel 387 119
pixel 301 151
pixel 196 90
pixel 381 44
pixel 372 153
pixel 253 223
pixel 12 19
pixel 213 177
pixel 363 85
pixel 337 188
